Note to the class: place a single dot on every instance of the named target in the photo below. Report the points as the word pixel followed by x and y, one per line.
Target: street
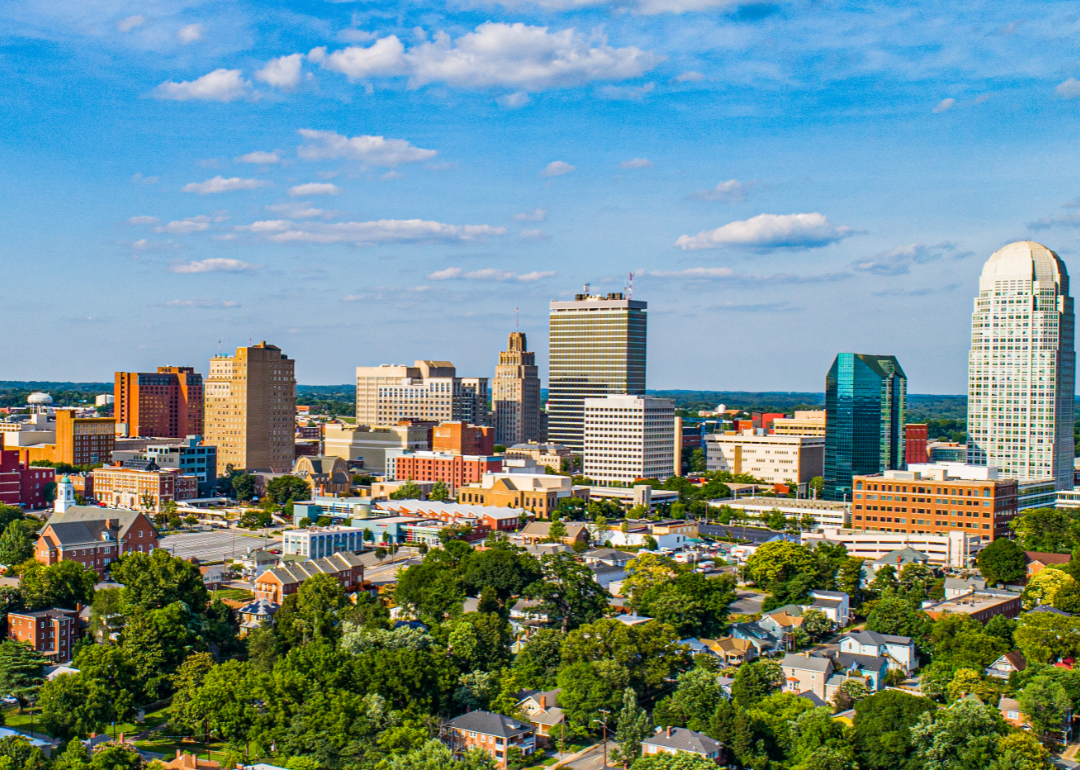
pixel 218 545
pixel 748 603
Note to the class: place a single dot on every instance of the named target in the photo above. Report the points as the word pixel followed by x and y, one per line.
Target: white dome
pixel 39 398
pixel 1024 261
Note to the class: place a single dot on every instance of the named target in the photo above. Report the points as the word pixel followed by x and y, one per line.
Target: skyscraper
pixel 427 390
pixel 165 404
pixel 597 348
pixel 251 409
pixel 515 394
pixel 1022 366
pixel 865 404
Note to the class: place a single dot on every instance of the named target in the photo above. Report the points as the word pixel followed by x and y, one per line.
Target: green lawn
pixel 12 718
pixel 236 594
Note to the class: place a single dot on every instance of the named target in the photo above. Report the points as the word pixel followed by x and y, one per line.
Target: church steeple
pixel 65 495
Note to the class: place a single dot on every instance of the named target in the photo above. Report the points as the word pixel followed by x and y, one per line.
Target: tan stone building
pixel 251 407
pixel 544 455
pixel 536 492
pixel 427 390
pixel 371 443
pixel 808 423
pixel 326 475
pixel 143 490
pixel 515 394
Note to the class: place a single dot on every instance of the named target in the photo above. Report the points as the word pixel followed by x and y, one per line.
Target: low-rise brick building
pixel 494 733
pixel 143 488
pixel 454 470
pixel 50 632
pixel 277 583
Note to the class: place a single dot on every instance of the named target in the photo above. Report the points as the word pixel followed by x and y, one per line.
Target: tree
pixel 589 687
pixel 1021 751
pixel 282 489
pixel 1044 703
pixel 21 671
pixel 155 580
pixel 243 486
pixel 506 569
pixel 430 590
pixel 755 680
pixel 480 641
pixel 779 562
pixel 1048 530
pixel 407 491
pixel 963 736
pixel 693 703
pixel 568 592
pixel 63 584
pixel 817 485
pixel 883 725
pixel 817 624
pixel 436 755
pixel 49 492
pixel 539 660
pixel 73 706
pixel 439 492
pixel 632 727
pixel 1044 587
pixel 556 532
pixel 650 652
pixel 646 571
pixel 680 761
pixel 850 692
pixel 1002 561
pixel 17 542
pixel 893 614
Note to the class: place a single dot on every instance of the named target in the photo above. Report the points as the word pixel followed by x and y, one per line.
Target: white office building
pixel 629 437
pixel 320 542
pixel 773 459
pixel 427 390
pixel 1022 366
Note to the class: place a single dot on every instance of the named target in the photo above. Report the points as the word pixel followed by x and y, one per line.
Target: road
pixel 218 545
pixel 748 603
pixel 591 758
pixel 753 534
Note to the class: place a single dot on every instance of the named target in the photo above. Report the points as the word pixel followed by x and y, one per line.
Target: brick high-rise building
pixel 251 409
pixel 165 404
pixel 915 442
pixel 515 394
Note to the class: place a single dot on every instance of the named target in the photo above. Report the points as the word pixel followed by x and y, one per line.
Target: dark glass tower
pixel 865 405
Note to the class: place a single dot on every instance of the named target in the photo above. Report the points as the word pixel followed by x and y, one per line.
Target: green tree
pixel 480 642
pixel 896 615
pixel 1021 751
pixel 63 584
pixel 780 562
pixel 568 592
pixel 680 761
pixel 314 614
pixel 439 493
pixel 962 737
pixel 587 688
pixel 1044 586
pixel 243 486
pixel 111 669
pixel 282 489
pixel 1002 561
pixel 693 703
pixel 506 569
pixel 407 491
pixel 755 681
pixel 883 725
pixel 539 660
pixel 632 727
pixel 73 706
pixel 155 580
pixel 17 542
pixel 21 671
pixel 430 589
pixel 817 624
pixel 1044 703
pixel 817 484
pixel 186 682
pixel 1048 530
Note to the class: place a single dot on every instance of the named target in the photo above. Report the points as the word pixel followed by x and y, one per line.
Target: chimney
pixel 178 753
pixel 543 700
pixel 669 731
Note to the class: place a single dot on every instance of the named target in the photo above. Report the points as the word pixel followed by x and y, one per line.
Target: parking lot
pixel 217 545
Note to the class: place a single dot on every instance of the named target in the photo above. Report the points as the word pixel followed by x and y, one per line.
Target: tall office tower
pixel 165 404
pixel 630 437
pixel 596 349
pixel 516 394
pixel 865 402
pixel 427 390
pixel 1022 366
pixel 251 409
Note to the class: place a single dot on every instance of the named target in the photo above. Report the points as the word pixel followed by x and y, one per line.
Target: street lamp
pixel 603 723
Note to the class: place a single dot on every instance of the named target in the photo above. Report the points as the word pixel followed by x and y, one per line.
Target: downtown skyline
pixel 183 174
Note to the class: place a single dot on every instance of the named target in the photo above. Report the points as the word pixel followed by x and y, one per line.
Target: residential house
pixel 835 604
pixel 734 652
pixel 539 531
pixel 763 641
pixel 277 583
pixel 899 651
pixel 606 574
pixel 94 537
pixel 1014 715
pixel 213 576
pixel 681 740
pixel 823 676
pixel 257 614
pixel 667 534
pixel 1037 562
pixel 184 761
pixel 897 559
pixel 1006 664
pixel 610 556
pixel 256 561
pixel 782 622
pixel 494 733
pixel 541 707
pixel 955 587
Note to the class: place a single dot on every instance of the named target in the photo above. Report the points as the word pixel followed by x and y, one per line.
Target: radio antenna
pixel 630 295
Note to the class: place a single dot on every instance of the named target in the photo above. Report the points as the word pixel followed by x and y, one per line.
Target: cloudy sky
pixel 373 182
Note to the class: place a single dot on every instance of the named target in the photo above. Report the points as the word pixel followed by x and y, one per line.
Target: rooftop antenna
pixel 219 346
pixel 630 294
pixel 517 320
pixel 586 289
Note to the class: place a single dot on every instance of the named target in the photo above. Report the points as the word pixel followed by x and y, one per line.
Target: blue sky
pixel 363 183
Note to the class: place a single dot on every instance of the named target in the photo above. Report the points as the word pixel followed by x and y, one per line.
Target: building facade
pixel 320 542
pixel 94 537
pixel 597 348
pixel 356 443
pixel 915 443
pixel 453 470
pixel 1022 366
pixel 460 438
pixel 189 457
pixel 803 423
pixel 51 632
pixel 164 404
pixel 251 408
pixel 539 493
pixel 773 459
pixel 142 489
pixel 545 455
pixel 629 437
pixel 865 404
pixel 275 584
pixel 427 391
pixel 516 394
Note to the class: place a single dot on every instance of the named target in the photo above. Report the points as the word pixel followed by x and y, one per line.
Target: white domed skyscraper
pixel 1022 366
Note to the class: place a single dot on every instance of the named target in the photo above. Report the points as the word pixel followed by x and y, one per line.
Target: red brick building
pixel 277 583
pixel 94 537
pixel 164 404
pixel 10 478
pixel 915 443
pixel 460 438
pixel 453 470
pixel 493 733
pixel 32 482
pixel 50 632
pixel 148 489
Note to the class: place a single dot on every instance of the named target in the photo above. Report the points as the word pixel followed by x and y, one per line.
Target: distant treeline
pixel 14 393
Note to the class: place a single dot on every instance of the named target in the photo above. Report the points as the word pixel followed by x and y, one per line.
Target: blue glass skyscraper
pixel 865 404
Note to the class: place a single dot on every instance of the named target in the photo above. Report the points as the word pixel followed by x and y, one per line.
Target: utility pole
pixel 603 724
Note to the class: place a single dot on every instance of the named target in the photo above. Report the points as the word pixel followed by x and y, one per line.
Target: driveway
pixel 591 758
pixel 748 603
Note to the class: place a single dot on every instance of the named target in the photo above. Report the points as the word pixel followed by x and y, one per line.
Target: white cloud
pixel 202 303
pixel 636 163
pixel 130 23
pixel 390 176
pixel 299 210
pixel 145 245
pixel 898 261
pixel 138 178
pixel 190 33
pixel 353 35
pixel 489 274
pixel 314 188
pixel 557 168
pixel 216 265
pixel 190 225
pixel 221 85
pixel 690 77
pixel 494 55
pixel 1070 89
pixel 219 184
pixel 514 101
pixel 383 57
pixel 266 226
pixel 628 93
pixel 143 221
pixel 373 150
pixel 731 191
pixel 536 215
pixel 769 231
pixel 533 235
pixel 387 231
pixel 944 105
pixel 283 72
pixel 262 158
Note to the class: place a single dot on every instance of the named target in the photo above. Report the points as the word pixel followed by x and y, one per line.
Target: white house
pixel 899 651
pixel 835 604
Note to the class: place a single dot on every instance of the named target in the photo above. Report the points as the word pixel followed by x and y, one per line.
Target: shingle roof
pixel 806 662
pixel 809 695
pixel 1047 558
pixel 868 662
pixel 543 529
pixel 683 739
pixel 84 524
pixel 873 637
pixel 490 724
pixel 298 572
pixel 608 553
pixel 903 555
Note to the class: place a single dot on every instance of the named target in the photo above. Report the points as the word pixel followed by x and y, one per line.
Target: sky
pixel 376 182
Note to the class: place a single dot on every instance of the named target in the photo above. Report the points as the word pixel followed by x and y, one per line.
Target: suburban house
pixel 1006 664
pixel 539 531
pixel 494 733
pixel 731 651
pixel 1011 713
pixel 257 614
pixel 610 556
pixel 680 740
pixel 1037 562
pixel 275 584
pixel 835 604
pixel 959 586
pixel 667 534
pixel 899 651
pixel 606 574
pixel 213 576
pixel 94 537
pixel 542 710
pixel 763 641
pixel 823 676
pixel 898 559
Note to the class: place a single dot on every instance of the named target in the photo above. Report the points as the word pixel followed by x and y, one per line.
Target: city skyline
pixel 312 175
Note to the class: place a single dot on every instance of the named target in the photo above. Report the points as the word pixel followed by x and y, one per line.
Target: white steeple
pixel 65 495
